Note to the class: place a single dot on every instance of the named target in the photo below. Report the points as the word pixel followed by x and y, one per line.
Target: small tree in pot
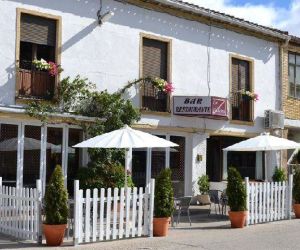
pixel 203 183
pixel 56 209
pixel 296 193
pixel 163 203
pixel 236 192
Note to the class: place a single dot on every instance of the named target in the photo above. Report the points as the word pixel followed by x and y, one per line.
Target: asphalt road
pixel 276 235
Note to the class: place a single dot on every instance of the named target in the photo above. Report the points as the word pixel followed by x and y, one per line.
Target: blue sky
pixel 279 3
pixel 281 14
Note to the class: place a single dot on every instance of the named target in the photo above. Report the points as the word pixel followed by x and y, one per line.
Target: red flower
pixel 168 88
pixel 53 71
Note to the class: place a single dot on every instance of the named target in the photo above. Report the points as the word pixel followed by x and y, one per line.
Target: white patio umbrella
pixel 263 142
pixel 29 144
pixel 126 138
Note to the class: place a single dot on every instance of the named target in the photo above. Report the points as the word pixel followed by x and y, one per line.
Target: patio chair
pixel 224 202
pixel 215 198
pixel 182 205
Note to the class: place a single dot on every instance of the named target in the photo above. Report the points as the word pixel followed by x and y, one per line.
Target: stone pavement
pixel 216 235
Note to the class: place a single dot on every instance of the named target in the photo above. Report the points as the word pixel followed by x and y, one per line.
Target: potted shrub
pixel 296 193
pixel 163 203
pixel 236 192
pixel 279 175
pixel 203 183
pixel 56 209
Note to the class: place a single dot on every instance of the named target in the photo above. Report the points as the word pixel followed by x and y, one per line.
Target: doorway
pixel 244 162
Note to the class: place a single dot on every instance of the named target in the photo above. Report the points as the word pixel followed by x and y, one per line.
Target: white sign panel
pixel 200 106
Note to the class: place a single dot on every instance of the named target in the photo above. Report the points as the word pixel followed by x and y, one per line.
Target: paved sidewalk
pixel 218 235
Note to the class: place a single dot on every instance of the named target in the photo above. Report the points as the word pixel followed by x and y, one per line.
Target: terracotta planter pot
pixel 297 210
pixel 238 219
pixel 54 234
pixel 161 226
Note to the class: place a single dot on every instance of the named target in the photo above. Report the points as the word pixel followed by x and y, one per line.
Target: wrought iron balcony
pixel 32 83
pixel 241 107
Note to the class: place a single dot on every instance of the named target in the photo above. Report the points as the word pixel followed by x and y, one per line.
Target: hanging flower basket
pixel 162 85
pixel 248 95
pixel 52 68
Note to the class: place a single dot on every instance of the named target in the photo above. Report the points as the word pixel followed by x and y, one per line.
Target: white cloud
pixel 265 14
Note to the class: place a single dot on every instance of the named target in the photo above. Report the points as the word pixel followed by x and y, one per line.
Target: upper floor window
pixel 294 75
pixel 155 60
pixel 241 105
pixel 37 41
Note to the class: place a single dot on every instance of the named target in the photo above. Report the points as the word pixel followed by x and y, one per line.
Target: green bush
pixel 296 187
pixel 98 175
pixel 203 183
pixel 164 195
pixel 236 191
pixel 279 175
pixel 56 199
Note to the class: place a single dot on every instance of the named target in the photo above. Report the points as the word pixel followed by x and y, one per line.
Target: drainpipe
pixel 281 49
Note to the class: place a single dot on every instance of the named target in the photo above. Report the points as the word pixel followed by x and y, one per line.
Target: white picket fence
pixel 269 201
pixel 20 212
pixel 110 214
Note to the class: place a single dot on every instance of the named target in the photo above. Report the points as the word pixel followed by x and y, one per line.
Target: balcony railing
pixel 34 83
pixel 241 107
pixel 153 99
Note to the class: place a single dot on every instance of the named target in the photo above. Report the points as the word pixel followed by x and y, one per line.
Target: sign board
pixel 200 106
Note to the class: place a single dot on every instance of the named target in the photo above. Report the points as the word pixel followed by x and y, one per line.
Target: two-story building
pixel 210 57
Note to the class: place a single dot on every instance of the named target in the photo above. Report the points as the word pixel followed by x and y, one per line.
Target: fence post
pixel 151 207
pixel 290 196
pixel 247 200
pixel 39 211
pixel 76 212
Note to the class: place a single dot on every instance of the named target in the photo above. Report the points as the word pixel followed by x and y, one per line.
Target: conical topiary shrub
pixel 236 192
pixel 296 193
pixel 163 203
pixel 56 208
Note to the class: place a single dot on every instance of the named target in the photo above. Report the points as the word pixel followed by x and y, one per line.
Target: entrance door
pixel 245 162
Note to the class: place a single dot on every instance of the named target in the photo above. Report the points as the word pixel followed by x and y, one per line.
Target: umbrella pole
pixel 266 166
pixel 127 156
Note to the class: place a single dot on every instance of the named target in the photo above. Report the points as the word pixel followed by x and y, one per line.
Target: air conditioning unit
pixel 274 119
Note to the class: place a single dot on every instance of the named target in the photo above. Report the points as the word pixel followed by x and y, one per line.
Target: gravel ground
pixel 215 235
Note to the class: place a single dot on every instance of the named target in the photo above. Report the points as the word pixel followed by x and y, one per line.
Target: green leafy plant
pixel 164 195
pixel 56 199
pixel 279 175
pixel 236 191
pixel 296 186
pixel 98 175
pixel 203 183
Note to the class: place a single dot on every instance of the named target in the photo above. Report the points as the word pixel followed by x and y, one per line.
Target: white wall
pixel 109 56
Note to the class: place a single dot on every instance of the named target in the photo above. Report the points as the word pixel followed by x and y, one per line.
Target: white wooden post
pixel 148 166
pixel 225 174
pixel 290 196
pixel 39 211
pixel 76 213
pixel 151 207
pixel 247 200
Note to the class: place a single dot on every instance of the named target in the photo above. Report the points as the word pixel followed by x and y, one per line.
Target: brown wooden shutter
pixel 155 58
pixel 38 30
pixel 240 75
pixel 235 75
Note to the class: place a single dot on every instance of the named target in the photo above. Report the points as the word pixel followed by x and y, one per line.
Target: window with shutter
pixel 241 107
pixel 294 75
pixel 154 64
pixel 37 41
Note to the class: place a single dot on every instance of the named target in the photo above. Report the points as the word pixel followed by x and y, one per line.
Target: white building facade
pixel 203 56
